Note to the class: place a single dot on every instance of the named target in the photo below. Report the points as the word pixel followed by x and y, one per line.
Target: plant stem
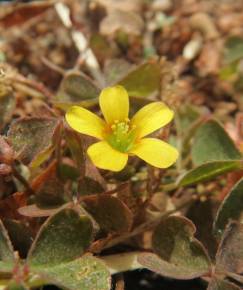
pixel 22 180
pixel 169 186
pixel 3 284
pixel 36 281
pixel 148 225
pixel 122 262
pixel 234 276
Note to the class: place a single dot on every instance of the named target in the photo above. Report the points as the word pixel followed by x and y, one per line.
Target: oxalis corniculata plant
pixel 95 209
pixel 116 177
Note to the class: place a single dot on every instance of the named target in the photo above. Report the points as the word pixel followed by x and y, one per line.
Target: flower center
pixel 122 136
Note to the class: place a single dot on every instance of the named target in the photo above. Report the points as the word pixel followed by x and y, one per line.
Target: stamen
pixel 122 136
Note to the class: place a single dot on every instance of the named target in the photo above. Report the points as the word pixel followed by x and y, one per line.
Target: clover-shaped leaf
pixel 76 87
pixel 213 152
pixel 143 80
pixel 233 49
pixel 7 258
pixel 229 257
pixel 208 171
pixel 231 208
pixel 196 213
pixel 62 238
pixel 109 212
pixel 177 253
pixel 13 285
pixel 188 115
pixel 74 143
pixel 20 236
pixel 31 137
pixel 212 143
pixel 49 188
pixel 6 248
pixel 86 273
pixel 116 69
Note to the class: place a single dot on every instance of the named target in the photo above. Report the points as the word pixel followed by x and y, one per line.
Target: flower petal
pixel 155 152
pixel 105 157
pixel 85 122
pixel 114 104
pixel 151 117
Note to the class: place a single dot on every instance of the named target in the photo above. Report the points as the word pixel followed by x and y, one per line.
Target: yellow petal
pixel 155 152
pixel 114 104
pixel 151 117
pixel 85 122
pixel 105 157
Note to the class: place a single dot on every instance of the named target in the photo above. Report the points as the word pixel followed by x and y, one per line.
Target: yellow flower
pixel 121 137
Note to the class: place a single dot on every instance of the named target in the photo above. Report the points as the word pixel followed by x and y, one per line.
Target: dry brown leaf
pixel 127 22
pixel 22 13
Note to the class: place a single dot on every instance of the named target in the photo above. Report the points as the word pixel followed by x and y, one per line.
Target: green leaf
pixel 212 143
pixel 13 285
pixel 64 106
pixel 233 49
pixel 218 284
pixel 5 268
pixel 238 85
pixel 90 186
pixel 31 137
pixel 7 258
pixel 20 236
pixel 101 47
pixel 143 80
pixel 109 212
pixel 115 70
pixel 208 171
pixel 49 188
pixel 196 213
pixel 86 273
pixel 230 209
pixel 179 254
pixel 74 142
pixel 229 257
pixel 42 157
pixel 77 87
pixel 7 104
pixel 187 115
pixel 34 211
pixel 229 72
pixel 62 238
pixel 6 248
pixel 66 171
